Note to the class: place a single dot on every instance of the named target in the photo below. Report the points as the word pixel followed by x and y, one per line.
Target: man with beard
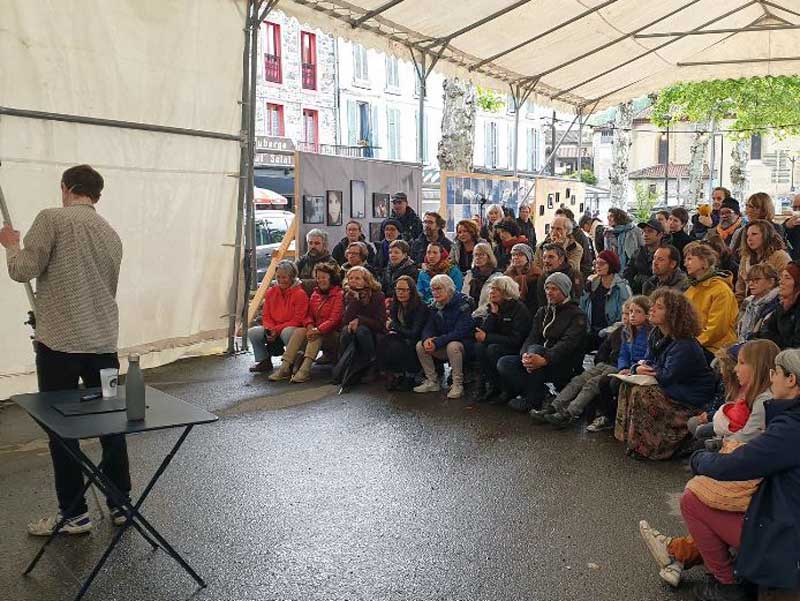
pixel 561 235
pixel 409 220
pixel 639 269
pixel 587 259
pixel 730 220
pixel 317 243
pixel 432 231
pixel 666 271
pixel 554 259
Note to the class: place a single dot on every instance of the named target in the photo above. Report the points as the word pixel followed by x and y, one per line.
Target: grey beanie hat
pixel 524 249
pixel 561 281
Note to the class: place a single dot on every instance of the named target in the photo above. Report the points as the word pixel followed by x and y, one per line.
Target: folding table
pixel 66 417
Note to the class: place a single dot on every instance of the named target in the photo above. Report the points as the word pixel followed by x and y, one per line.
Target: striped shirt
pixel 75 256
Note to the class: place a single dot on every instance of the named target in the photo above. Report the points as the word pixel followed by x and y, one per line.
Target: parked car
pixel 271 227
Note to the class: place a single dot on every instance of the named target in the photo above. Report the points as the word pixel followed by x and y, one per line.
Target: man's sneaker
pixel 456 391
pixel 672 574
pixel 80 524
pixel 599 424
pixel 427 386
pixel 561 420
pixel 713 590
pixel 520 404
pixel 656 544
pixel 539 416
pixel 118 516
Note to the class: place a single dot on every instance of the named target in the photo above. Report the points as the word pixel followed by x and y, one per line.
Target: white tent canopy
pixel 578 53
pixel 167 63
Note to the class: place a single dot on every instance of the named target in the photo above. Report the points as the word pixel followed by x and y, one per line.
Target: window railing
pixel 272 68
pixel 309 76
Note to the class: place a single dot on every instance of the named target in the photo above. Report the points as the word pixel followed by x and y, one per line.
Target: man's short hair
pixel 440 222
pixel 725 192
pixel 82 180
pixel 566 221
pixel 556 248
pixel 566 213
pixel 680 213
pixel 401 244
pixel 318 233
pixel 674 253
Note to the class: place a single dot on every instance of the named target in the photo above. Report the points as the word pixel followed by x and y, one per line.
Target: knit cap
pixel 523 249
pixel 732 204
pixel 610 257
pixel 560 281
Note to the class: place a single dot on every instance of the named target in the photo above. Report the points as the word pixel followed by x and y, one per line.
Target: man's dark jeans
pixel 61 371
pixel 516 379
pixel 488 355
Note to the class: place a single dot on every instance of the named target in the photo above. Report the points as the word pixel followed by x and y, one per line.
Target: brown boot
pixel 304 373
pixel 284 371
pixel 262 367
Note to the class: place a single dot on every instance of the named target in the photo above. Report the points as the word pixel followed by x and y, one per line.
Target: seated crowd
pixel 692 326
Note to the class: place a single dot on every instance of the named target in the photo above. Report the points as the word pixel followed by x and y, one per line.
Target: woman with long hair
pixel 758 206
pixel 467 238
pixel 522 270
pixel 494 215
pixel 397 352
pixel 437 261
pixel 483 271
pixel 761 245
pixel 525 223
pixel 652 419
pixel 711 293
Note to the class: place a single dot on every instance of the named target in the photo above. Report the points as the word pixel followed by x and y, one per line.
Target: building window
pixel 311 127
pixel 362 125
pixel 510 144
pixel 533 150
pixel 606 136
pixel 308 57
pixel 272 52
pixel 424 135
pixel 663 150
pixel 360 64
pixel 490 144
pixel 755 147
pixel 274 120
pixel 530 109
pixel 392 133
pixel 510 104
pixel 392 73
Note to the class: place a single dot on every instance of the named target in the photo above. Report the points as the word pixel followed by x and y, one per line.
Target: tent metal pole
pixel 578 164
pixel 519 96
pixel 741 61
pixel 237 254
pixel 7 220
pixel 551 156
pixel 374 13
pixel 423 88
pixel 251 151
pixel 748 29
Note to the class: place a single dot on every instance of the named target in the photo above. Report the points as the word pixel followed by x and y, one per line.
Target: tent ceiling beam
pixel 612 42
pixel 756 28
pixel 479 23
pixel 741 61
pixel 539 36
pixel 654 49
pixel 558 144
pixel 375 12
pixel 779 7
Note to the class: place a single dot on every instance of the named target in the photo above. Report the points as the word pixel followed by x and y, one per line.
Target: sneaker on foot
pixel 427 386
pixel 118 516
pixel 45 527
pixel 656 544
pixel 561 420
pixel 599 424
pixel 672 574
pixel 520 404
pixel 713 590
pixel 456 391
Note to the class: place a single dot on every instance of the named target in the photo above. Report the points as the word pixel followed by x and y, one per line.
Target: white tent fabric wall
pixel 572 56
pixel 176 63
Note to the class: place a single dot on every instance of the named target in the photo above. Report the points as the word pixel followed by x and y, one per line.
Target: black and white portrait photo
pixel 314 209
pixel 334 207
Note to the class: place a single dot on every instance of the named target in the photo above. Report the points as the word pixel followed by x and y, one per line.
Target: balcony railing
pixel 272 68
pixel 338 149
pixel 309 76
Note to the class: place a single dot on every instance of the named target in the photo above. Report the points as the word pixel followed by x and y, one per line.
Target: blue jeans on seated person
pixel 259 342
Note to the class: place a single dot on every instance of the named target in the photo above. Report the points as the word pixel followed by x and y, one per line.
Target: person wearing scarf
pixel 467 237
pixel 622 236
pixel 399 264
pixel 484 270
pixel 762 280
pixel 494 215
pixel 437 261
pixel 390 231
pixel 730 220
pixel 522 272
pixel 507 232
pixel 783 326
pixel 711 294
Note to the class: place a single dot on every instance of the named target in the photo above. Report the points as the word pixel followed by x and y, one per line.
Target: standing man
pixel 433 226
pixel 666 271
pixel 412 224
pixel 640 267
pixel 75 256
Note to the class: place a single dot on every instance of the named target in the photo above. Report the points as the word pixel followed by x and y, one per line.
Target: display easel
pixel 277 256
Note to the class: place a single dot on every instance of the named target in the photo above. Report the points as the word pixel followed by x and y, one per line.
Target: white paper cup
pixel 108 382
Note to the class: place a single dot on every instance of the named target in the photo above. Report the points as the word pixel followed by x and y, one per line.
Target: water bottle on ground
pixel 134 390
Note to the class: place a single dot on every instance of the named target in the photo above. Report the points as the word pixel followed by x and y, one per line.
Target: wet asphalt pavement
pixel 297 493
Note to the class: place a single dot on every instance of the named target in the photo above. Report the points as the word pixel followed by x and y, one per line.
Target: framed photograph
pixel 546 228
pixel 580 209
pixel 550 199
pixel 380 205
pixel 358 199
pixel 375 231
pixel 541 210
pixel 314 209
pixel 334 207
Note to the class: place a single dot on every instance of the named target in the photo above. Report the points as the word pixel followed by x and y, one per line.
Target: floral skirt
pixel 649 423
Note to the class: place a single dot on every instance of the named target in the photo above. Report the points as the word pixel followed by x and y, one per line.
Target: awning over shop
pixel 585 53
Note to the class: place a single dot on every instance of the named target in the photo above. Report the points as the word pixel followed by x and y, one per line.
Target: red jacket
pixel 284 308
pixel 325 310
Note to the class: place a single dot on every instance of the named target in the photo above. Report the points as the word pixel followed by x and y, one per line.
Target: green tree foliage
pixel 490 101
pixel 646 199
pixel 586 176
pixel 756 104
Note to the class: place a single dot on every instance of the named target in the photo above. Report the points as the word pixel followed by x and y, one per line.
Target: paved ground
pixel 297 493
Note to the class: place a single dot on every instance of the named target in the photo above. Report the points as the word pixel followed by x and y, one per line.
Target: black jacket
pixel 305 265
pixel 411 330
pixel 679 239
pixel 420 246
pixel 770 551
pixel 341 246
pixel 610 347
pixel 527 229
pixel 561 329
pixel 679 281
pixel 639 269
pixel 782 327
pixel 509 326
pixel 392 272
pixel 412 225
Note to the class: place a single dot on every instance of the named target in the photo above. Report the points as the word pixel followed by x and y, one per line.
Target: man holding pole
pixel 75 256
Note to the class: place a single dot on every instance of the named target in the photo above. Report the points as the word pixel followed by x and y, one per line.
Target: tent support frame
pixel 423 68
pixel 520 92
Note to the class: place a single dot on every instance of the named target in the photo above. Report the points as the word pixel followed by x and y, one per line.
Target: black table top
pixel 163 411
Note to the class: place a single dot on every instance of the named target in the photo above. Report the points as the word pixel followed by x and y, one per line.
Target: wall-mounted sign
pixel 274 144
pixel 274 159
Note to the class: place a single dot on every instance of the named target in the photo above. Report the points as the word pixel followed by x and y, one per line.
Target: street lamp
pixel 665 138
pixel 792 158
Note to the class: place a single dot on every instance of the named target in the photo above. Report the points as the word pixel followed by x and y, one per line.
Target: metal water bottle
pixel 134 390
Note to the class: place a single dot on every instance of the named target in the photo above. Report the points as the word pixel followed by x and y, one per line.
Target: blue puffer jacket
pixel 681 369
pixel 615 298
pixel 453 322
pixel 424 283
pixel 770 552
pixel 633 349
